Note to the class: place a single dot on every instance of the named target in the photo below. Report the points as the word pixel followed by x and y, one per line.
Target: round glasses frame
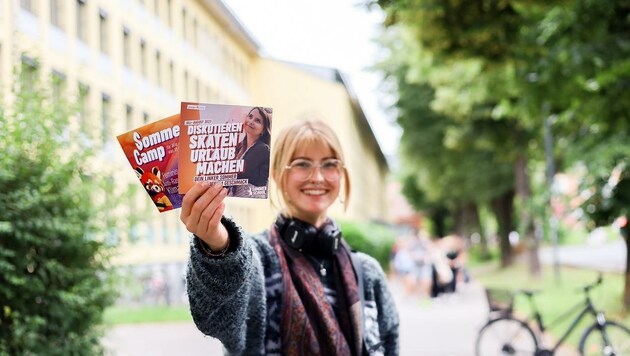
pixel 303 169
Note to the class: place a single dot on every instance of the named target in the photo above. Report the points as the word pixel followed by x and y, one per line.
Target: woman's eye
pixel 330 164
pixel 303 164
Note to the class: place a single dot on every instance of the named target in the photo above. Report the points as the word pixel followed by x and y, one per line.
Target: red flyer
pixel 152 152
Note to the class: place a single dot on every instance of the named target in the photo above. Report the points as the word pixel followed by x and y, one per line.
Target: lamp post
pixel 553 221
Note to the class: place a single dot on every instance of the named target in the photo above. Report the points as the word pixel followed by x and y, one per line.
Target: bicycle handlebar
pixel 587 288
pixel 597 282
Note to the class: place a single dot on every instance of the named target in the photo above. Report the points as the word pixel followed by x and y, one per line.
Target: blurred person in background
pixel 451 251
pixel 421 249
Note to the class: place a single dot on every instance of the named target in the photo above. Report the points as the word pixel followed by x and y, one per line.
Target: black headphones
pixel 307 238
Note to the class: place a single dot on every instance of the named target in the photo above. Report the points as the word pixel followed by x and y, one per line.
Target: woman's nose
pixel 317 174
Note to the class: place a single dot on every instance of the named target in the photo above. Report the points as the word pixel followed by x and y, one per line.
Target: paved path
pixel 446 326
pixel 599 256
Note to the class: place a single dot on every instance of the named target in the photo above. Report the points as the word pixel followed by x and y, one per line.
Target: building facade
pixel 128 63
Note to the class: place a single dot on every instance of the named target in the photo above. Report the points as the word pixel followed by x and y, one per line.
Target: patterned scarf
pixel 309 325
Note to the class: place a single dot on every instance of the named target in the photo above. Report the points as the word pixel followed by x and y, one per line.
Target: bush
pixel 374 239
pixel 54 284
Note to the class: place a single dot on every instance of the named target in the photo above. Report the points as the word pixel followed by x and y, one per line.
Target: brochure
pixel 152 153
pixel 227 144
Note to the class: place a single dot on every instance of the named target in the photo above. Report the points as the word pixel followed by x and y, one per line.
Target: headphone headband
pixel 305 237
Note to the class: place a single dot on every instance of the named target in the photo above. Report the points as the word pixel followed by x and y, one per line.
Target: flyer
pixel 152 152
pixel 227 144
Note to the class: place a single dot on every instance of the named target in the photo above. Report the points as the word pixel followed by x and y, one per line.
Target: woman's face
pixel 309 189
pixel 254 124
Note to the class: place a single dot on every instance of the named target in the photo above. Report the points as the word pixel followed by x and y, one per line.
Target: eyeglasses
pixel 303 169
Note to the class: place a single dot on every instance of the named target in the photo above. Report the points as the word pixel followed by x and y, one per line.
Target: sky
pixel 330 33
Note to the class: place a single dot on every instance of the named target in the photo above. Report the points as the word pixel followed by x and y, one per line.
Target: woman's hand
pixel 202 209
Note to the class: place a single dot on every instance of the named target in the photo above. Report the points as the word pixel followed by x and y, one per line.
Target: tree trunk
pixel 477 226
pixel 460 220
pixel 471 223
pixel 438 216
pixel 523 192
pixel 502 206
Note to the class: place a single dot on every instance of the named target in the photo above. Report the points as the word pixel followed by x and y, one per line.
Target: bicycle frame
pixel 588 309
pixel 584 307
pixel 533 329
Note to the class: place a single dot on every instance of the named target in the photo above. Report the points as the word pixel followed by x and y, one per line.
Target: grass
pixel 556 297
pixel 116 315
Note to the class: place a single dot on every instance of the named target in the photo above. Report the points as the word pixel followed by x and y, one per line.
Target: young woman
pixel 295 289
pixel 254 150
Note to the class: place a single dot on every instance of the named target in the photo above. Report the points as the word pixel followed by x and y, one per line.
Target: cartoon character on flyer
pixel 152 182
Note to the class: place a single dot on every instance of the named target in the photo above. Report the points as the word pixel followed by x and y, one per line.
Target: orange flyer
pixel 152 153
pixel 227 144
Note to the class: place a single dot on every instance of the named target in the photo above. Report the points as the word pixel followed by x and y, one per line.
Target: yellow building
pixel 128 63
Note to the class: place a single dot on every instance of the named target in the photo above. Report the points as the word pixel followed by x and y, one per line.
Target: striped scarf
pixel 309 325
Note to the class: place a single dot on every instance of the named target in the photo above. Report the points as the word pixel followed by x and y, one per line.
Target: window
pixel 105 116
pixel 171 77
pixel 126 48
pixel 168 13
pixel 145 118
pixel 102 32
pixel 134 235
pixel 150 238
pixel 28 74
pixel 128 117
pixel 178 235
pixel 195 30
pixel 58 80
pixel 82 20
pixel 197 89
pixel 55 13
pixel 28 5
pixel 165 233
pixel 158 68
pixel 184 27
pixel 83 100
pixel 186 85
pixel 143 58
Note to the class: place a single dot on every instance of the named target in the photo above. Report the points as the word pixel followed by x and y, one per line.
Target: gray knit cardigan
pixel 237 298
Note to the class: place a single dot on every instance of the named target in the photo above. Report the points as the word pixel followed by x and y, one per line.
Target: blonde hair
pixel 305 134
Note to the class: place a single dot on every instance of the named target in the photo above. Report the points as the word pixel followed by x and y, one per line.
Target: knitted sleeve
pixel 226 294
pixel 386 314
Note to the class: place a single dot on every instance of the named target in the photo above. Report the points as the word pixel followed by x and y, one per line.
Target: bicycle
pixel 505 334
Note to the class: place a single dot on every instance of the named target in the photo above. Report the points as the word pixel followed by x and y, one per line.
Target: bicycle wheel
pixel 592 342
pixel 506 336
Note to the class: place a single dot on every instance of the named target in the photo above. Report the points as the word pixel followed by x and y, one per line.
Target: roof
pixel 226 17
pixel 335 75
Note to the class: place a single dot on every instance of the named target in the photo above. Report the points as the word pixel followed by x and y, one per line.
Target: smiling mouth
pixel 315 192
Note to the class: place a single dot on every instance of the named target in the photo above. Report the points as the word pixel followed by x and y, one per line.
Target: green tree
pixel 561 62
pixel 587 63
pixel 54 281
pixel 454 150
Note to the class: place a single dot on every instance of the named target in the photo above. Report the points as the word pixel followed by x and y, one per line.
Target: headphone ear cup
pixel 329 238
pixel 294 235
